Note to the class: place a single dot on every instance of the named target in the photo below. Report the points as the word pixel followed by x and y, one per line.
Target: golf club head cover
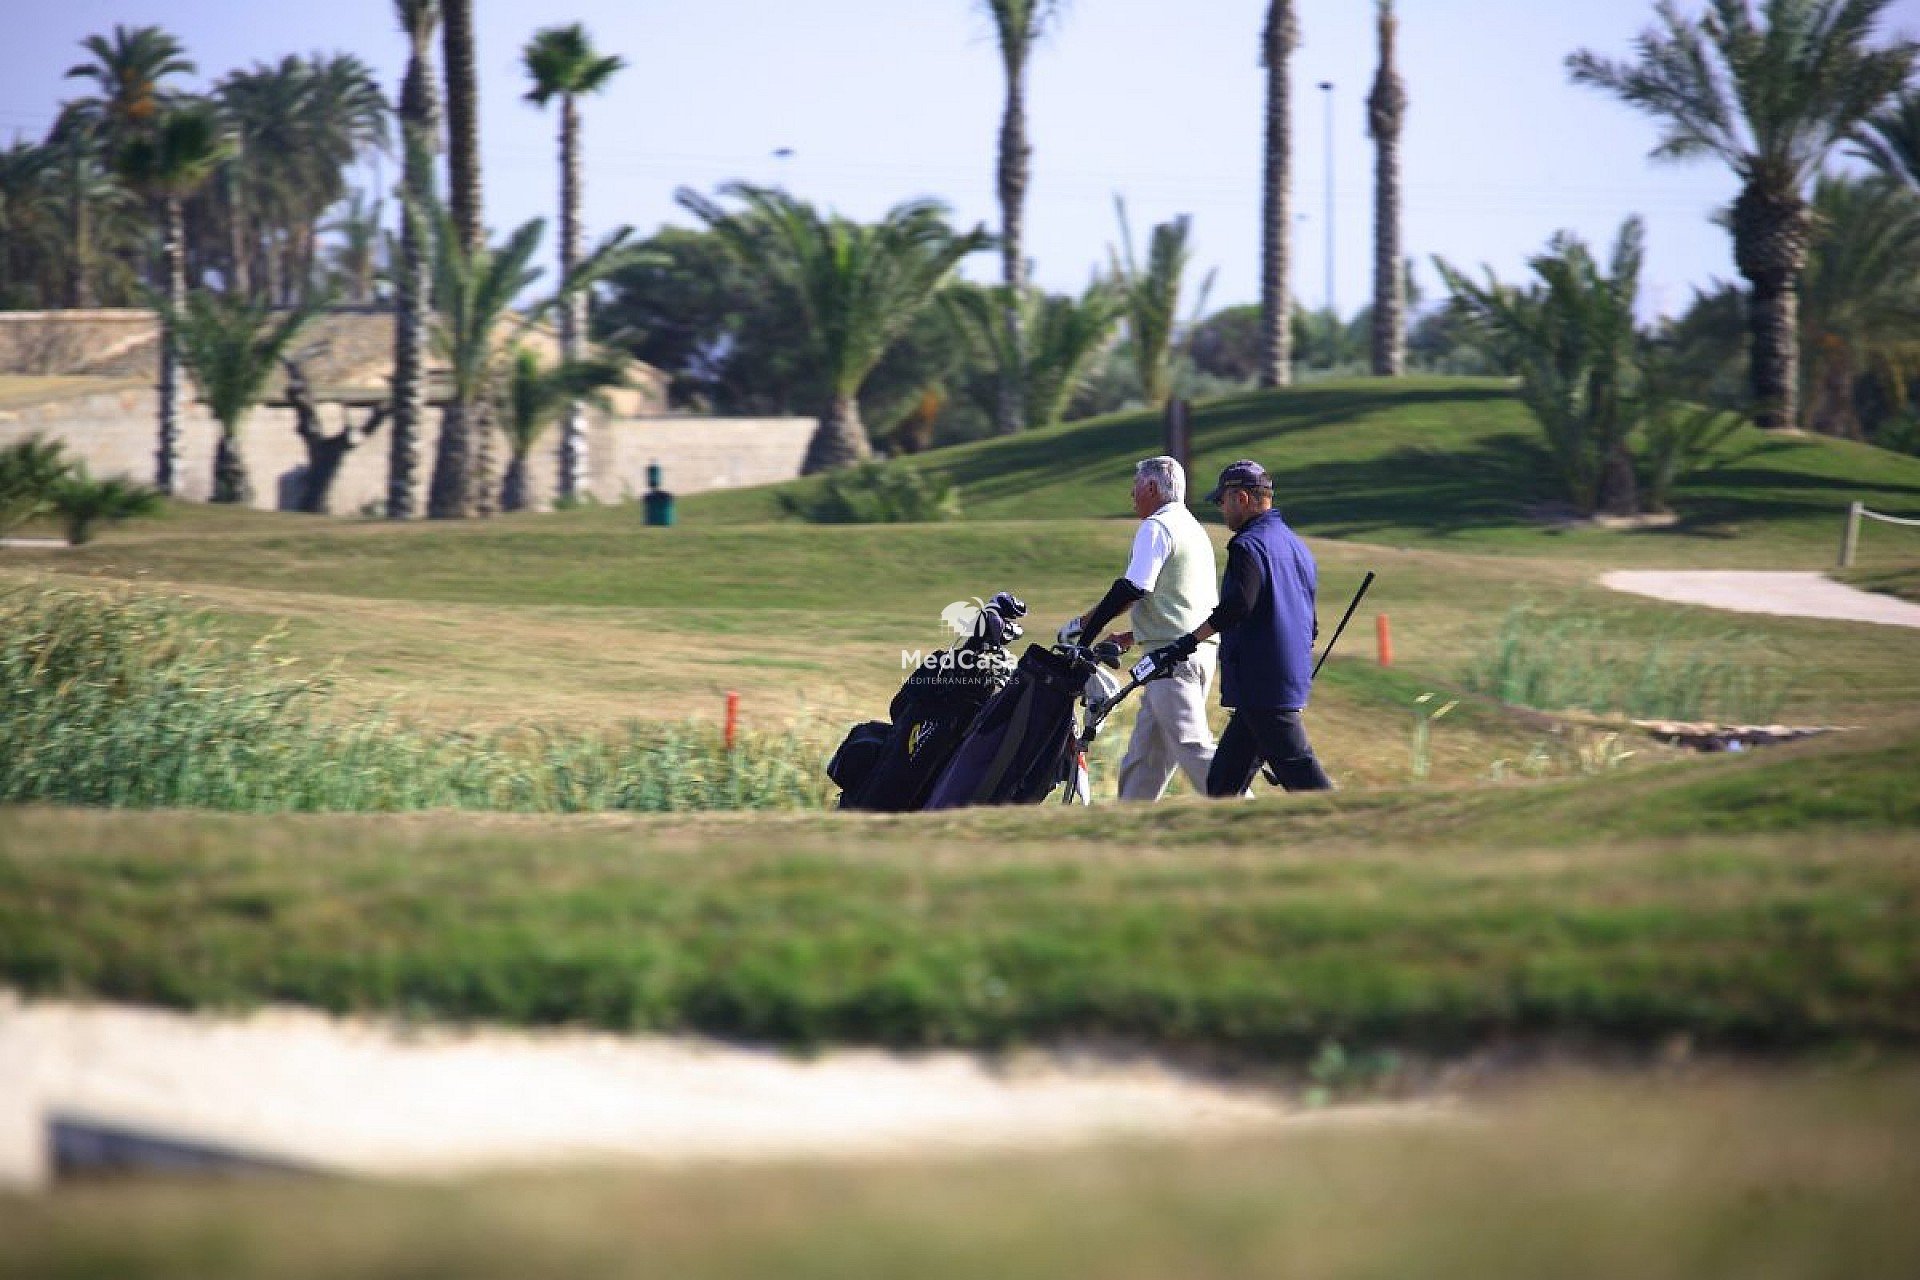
pixel 1107 653
pixel 1008 605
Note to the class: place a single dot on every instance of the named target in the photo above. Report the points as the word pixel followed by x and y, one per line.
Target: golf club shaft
pixel 1364 584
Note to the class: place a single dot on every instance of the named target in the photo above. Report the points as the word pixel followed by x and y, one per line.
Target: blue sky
pixel 1157 100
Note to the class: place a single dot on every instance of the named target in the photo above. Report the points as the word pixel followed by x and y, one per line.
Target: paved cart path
pixel 366 1096
pixel 1794 595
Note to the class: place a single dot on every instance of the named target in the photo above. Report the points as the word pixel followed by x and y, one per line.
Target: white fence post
pixel 1850 540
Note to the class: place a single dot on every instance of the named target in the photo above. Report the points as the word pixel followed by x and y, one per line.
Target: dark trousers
pixel 1257 734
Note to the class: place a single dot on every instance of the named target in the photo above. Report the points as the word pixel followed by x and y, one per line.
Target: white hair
pixel 1164 476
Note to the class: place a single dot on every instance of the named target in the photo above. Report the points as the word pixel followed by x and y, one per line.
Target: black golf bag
pixel 1024 742
pixel 890 766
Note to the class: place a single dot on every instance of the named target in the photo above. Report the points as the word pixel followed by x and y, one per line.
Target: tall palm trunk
pixel 230 481
pixel 840 438
pixel 1772 228
pixel 167 462
pixel 463 121
pixel 239 272
pixel 573 313
pixel 1276 228
pixel 448 496
pixel 516 493
pixel 1016 156
pixel 413 289
pixel 462 478
pixel 79 292
pixel 1386 113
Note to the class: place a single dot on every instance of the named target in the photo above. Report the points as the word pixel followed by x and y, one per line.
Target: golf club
pixel 1348 617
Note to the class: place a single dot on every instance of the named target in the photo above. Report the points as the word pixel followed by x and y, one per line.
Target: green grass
pixel 1452 462
pixel 1569 662
pixel 1901 580
pixel 1707 1176
pixel 1624 910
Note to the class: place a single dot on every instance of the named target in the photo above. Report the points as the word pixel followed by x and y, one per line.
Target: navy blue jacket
pixel 1266 618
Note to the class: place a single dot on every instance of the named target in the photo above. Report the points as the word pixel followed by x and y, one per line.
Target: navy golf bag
pixel 890 766
pixel 1024 742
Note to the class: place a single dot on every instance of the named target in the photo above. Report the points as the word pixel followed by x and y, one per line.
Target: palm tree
pixel 1386 112
pixel 1066 338
pixel 354 262
pixel 232 346
pixel 1860 297
pixel 1276 223
pixel 168 164
pixel 563 64
pixel 1150 295
pixel 473 293
pixel 1574 337
pixel 536 395
pixel 858 287
pixel 1771 99
pixel 300 124
pixel 127 71
pixel 1018 26
pixel 1890 139
pixel 413 285
pixel 476 325
pixel 28 216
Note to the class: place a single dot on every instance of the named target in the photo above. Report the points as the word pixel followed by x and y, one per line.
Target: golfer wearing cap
pixel 1266 624
pixel 1168 587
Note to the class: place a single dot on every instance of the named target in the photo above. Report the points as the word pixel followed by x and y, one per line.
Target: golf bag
pixel 1024 742
pixel 890 765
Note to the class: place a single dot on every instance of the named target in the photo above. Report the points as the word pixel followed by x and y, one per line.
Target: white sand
pixel 373 1097
pixel 1794 595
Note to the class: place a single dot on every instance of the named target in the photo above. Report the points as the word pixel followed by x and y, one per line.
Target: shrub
pixel 29 470
pixel 82 502
pixel 134 702
pixel 876 492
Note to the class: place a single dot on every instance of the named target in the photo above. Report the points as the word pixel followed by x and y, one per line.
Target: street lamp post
pixel 1326 90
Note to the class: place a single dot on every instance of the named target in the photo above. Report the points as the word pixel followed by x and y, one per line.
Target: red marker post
pixel 733 718
pixel 1384 638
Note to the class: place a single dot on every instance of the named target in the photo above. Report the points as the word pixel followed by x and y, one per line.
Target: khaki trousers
pixel 1171 731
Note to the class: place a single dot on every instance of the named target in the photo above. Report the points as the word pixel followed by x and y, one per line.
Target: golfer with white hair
pixel 1170 587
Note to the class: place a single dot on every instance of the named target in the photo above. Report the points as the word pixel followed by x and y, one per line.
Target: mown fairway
pixel 587 619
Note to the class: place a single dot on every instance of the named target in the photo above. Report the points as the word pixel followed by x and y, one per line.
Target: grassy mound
pixel 1420 460
pixel 1623 910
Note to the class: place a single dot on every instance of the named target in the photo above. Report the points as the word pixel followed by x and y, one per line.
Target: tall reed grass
pixel 126 701
pixel 1576 662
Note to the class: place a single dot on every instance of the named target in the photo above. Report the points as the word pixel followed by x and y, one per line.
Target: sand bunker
pixel 375 1097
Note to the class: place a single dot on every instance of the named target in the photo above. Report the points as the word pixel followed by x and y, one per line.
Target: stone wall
pixel 114 433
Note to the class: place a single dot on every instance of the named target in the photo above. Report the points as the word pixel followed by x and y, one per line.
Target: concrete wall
pixel 115 433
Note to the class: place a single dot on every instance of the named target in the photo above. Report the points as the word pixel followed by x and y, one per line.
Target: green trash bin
pixel 658 502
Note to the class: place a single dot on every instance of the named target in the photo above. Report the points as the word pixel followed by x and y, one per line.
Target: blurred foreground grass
pixel 1774 1174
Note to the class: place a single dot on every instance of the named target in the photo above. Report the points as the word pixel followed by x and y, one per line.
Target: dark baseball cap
pixel 1244 474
